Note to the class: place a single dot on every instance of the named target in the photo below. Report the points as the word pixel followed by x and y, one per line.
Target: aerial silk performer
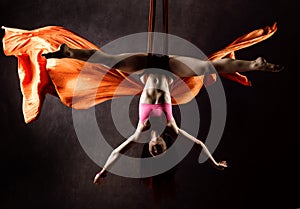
pixel 40 74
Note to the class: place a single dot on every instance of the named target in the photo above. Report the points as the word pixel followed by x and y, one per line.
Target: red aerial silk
pixel 39 76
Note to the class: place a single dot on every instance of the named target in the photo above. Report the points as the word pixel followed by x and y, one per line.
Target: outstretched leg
pixel 188 66
pixel 126 62
pixel 62 52
pixel 227 65
pixel 91 55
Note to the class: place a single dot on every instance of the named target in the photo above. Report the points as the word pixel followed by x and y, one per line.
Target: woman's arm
pixel 115 153
pixel 221 165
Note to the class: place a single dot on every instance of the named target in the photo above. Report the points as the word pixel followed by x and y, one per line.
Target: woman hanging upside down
pixel 155 99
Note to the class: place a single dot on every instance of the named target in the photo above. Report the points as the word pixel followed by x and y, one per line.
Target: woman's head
pixel 157 146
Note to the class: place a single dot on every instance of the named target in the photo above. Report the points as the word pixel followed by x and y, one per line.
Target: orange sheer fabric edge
pixel 98 83
pixel 244 41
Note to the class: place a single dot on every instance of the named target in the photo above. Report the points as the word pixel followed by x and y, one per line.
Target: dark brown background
pixel 44 166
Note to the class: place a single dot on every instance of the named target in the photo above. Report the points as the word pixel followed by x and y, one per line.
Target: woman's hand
pixel 221 165
pixel 99 177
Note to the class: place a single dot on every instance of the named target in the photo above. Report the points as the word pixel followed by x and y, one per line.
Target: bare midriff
pixel 156 90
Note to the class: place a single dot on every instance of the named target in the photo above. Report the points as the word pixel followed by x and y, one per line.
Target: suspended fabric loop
pixel 151 26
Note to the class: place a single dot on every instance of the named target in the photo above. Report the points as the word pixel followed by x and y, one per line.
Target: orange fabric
pixel 244 41
pixel 39 76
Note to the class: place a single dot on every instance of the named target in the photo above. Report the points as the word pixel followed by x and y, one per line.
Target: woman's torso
pixel 156 89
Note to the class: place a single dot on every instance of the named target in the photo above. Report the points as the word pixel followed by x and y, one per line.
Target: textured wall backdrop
pixel 43 164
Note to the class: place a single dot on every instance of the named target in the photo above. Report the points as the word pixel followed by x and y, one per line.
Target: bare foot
pixel 62 52
pixel 261 64
pixel 99 177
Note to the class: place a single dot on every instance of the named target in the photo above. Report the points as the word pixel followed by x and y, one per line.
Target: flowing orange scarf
pixel 58 77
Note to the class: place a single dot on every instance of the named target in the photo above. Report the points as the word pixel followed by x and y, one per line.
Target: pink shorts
pixel 156 110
